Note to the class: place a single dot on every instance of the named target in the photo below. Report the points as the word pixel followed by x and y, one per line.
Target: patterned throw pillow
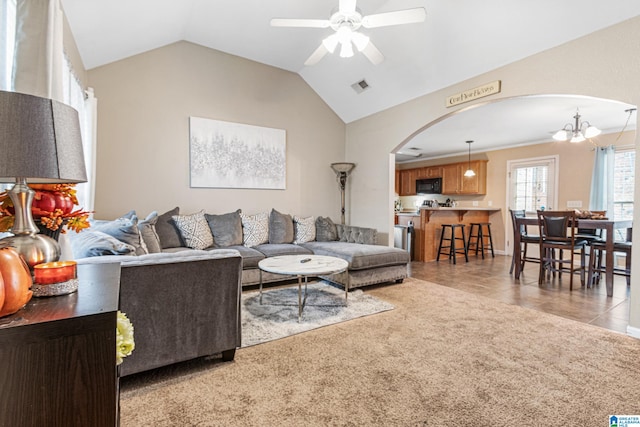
pixel 305 229
pixel 255 229
pixel 194 229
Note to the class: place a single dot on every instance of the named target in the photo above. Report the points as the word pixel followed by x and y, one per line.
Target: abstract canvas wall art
pixel 234 155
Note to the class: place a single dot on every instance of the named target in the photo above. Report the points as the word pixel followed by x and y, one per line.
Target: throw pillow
pixel 166 229
pixel 226 229
pixel 255 229
pixel 123 229
pixel 89 243
pixel 326 230
pixel 147 228
pixel 194 229
pixel 305 229
pixel 280 228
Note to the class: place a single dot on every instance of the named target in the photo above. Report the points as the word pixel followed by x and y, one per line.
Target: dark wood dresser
pixel 57 356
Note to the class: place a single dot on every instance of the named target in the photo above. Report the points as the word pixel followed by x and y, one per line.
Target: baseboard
pixel 633 332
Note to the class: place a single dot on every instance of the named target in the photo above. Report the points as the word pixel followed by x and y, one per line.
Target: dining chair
pixel 557 238
pixel 595 261
pixel 525 239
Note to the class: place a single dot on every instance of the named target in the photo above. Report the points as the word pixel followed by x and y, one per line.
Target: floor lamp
pixel 40 143
pixel 342 172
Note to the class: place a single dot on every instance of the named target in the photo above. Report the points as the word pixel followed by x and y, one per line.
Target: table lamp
pixel 40 142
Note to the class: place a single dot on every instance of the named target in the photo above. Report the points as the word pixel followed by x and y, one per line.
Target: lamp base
pixel 34 248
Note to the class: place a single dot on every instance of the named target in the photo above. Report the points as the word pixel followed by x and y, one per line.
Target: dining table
pixel 609 227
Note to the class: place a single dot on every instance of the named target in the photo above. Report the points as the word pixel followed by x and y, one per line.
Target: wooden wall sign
pixel 475 93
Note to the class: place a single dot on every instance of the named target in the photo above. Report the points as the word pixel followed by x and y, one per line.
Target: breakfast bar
pixel 431 220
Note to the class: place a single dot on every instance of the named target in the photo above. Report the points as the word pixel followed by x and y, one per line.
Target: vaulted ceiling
pixel 458 40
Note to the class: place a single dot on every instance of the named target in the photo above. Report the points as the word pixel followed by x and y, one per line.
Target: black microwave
pixel 429 186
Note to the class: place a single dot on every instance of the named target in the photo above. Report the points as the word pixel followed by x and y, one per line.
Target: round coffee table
pixel 302 266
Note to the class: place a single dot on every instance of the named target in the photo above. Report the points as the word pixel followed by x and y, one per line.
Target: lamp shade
pixel 342 167
pixel 40 140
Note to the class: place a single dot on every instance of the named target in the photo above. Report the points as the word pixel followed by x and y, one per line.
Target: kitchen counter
pixel 459 208
pixel 431 220
pixel 414 213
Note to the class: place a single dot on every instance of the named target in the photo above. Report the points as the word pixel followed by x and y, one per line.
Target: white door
pixel 532 186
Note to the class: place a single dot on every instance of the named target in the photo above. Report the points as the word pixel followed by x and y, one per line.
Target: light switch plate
pixel 574 203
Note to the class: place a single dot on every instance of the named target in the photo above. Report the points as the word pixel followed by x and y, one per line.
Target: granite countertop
pixel 410 213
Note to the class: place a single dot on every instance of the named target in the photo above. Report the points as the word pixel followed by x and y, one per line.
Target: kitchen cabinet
pixel 455 183
pixel 408 182
pixel 397 182
pixel 429 172
pixel 58 358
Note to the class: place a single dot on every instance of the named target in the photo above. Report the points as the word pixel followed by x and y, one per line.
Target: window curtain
pixel 38 56
pixel 7 42
pixel 601 197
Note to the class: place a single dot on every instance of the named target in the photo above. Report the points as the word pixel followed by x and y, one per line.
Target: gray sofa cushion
pixel 167 231
pixel 250 256
pixel 147 229
pixel 282 249
pixel 124 229
pixel 226 229
pixel 326 230
pixel 280 228
pixel 360 257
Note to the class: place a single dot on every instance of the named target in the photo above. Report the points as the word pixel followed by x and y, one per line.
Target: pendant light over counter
pixel 469 172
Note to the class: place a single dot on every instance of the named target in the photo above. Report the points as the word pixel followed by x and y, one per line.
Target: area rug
pixel 441 357
pixel 277 316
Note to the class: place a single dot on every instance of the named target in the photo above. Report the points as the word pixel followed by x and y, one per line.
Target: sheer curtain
pixel 601 197
pixel 32 61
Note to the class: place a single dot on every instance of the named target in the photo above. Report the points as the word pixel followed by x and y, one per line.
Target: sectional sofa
pixel 254 237
pixel 182 275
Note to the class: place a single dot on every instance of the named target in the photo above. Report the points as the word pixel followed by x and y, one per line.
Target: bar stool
pixel 452 250
pixel 480 237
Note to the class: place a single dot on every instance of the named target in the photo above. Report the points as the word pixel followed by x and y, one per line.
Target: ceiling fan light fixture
pixel 346 51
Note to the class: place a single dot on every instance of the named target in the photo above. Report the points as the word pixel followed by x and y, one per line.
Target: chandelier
pixel 578 132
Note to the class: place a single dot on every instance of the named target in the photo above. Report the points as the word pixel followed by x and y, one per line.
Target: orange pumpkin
pixel 16 282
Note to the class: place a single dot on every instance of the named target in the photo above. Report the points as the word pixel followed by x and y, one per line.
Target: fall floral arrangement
pixel 124 337
pixel 52 207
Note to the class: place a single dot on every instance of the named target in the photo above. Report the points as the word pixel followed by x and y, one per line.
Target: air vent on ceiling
pixel 360 86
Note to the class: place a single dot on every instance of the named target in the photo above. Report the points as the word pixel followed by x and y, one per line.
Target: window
pixel 532 184
pixel 7 41
pixel 73 95
pixel 623 183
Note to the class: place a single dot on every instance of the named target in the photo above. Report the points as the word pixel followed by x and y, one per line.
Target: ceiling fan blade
pixel 306 23
pixel 407 16
pixel 373 54
pixel 317 55
pixel 347 7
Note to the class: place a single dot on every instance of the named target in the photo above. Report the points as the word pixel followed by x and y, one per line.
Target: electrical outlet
pixel 574 203
pixel 475 203
pixel 490 203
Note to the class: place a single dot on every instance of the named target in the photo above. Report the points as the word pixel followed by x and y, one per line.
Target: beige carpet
pixel 442 357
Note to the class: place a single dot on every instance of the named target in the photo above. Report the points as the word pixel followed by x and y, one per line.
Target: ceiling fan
pixel 346 22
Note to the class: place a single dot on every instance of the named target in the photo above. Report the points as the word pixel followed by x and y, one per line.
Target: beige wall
pixel 144 107
pixel 604 64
